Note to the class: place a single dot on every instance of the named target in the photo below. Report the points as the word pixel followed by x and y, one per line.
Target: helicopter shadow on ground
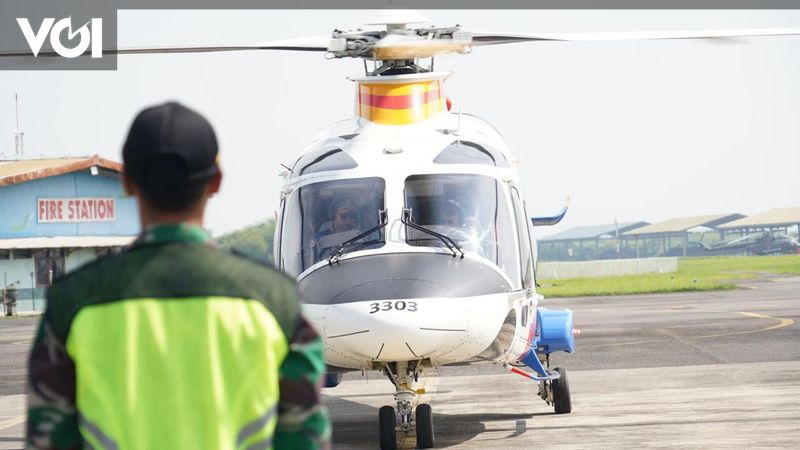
pixel 355 425
pixel 455 429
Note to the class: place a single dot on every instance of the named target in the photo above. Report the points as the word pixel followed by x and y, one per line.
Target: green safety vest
pixel 176 345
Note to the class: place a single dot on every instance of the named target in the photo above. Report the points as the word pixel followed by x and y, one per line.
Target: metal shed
pixel 657 239
pixel 587 242
pixel 777 219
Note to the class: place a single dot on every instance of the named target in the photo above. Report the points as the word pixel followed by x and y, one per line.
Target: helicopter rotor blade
pixel 405 46
pixel 484 38
pixel 309 44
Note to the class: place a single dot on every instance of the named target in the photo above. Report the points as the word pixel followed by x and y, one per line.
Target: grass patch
pixel 694 274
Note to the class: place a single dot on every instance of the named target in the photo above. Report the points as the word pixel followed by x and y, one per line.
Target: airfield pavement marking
pixel 784 322
pixel 621 344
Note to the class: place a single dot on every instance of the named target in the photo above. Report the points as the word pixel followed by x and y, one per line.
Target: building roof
pixel 773 218
pixel 66 242
pixel 20 171
pixel 593 231
pixel 683 224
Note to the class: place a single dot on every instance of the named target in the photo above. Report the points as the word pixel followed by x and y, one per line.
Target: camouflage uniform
pixel 175 344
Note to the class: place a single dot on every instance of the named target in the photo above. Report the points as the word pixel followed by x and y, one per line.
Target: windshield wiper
pixel 339 251
pixel 448 241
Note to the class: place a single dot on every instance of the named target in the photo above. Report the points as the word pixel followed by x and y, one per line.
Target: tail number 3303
pixel 398 305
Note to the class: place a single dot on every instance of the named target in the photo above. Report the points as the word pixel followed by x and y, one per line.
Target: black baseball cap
pixel 172 140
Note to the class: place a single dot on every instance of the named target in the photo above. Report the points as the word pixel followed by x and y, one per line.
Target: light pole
pixel 33 294
pixel 3 298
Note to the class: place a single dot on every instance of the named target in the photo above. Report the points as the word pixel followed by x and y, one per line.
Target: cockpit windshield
pixel 330 214
pixel 470 209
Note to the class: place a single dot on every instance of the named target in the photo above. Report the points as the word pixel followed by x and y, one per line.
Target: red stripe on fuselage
pixel 399 101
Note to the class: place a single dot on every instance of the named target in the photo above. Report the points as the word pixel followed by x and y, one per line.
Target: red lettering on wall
pixel 54 210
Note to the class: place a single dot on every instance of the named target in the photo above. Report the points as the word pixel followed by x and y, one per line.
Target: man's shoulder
pixel 248 265
pixel 255 278
pixel 174 271
pixel 162 260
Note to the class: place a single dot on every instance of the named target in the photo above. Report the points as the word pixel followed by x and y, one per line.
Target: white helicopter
pixel 405 227
pixel 407 232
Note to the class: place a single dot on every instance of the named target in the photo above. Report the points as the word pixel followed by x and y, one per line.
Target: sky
pixel 631 131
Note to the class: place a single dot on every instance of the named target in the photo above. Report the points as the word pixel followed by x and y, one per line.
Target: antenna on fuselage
pixel 18 135
pixel 286 172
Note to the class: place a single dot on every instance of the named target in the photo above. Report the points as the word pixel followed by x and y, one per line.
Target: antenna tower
pixel 18 135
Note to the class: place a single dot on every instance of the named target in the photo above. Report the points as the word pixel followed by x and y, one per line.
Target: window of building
pixel 48 265
pixel 22 253
pixel 5 254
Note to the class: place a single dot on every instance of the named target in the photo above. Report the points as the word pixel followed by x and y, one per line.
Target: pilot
pixel 343 217
pixel 451 214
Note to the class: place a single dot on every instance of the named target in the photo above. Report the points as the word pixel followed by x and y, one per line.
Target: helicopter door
pixel 525 253
pixel 276 251
pixel 534 247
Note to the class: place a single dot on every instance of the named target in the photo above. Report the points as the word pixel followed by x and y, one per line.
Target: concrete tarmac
pixel 699 370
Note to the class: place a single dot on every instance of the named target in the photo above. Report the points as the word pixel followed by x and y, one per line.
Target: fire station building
pixel 56 215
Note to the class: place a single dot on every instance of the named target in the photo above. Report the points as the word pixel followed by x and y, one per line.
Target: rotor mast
pixel 399 49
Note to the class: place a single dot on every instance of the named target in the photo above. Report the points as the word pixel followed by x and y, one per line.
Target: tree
pixel 254 239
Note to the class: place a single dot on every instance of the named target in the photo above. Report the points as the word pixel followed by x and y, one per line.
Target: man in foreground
pixel 174 344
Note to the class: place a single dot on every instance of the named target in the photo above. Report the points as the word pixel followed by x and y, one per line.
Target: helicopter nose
pixel 395 330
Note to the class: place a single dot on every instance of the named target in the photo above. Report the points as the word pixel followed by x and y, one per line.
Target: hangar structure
pixel 57 214
pixel 674 237
pixel 588 243
pixel 777 219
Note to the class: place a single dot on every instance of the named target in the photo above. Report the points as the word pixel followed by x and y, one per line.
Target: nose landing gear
pixel 424 426
pixel 403 377
pixel 386 428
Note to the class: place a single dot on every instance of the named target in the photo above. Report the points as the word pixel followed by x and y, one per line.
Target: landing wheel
pixel 424 426
pixel 561 398
pixel 386 428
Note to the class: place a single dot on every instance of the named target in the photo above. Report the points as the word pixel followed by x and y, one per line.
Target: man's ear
pixel 214 184
pixel 131 189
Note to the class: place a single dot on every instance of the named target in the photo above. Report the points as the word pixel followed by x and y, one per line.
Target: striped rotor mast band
pixel 400 103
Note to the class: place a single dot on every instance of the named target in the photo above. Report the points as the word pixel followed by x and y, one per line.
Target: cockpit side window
pixel 524 239
pixel 323 161
pixel 326 214
pixel 464 152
